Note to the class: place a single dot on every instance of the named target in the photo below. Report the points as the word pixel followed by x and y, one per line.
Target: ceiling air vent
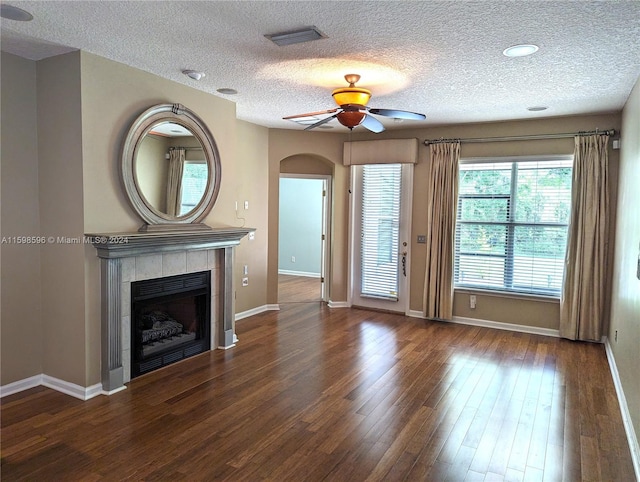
pixel 296 37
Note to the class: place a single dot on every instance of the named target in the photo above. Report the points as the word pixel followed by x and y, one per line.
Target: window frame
pixel 507 289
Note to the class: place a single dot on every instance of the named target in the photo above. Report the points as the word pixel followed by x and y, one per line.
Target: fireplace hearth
pixel 170 320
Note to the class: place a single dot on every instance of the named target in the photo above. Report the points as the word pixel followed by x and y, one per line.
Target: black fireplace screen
pixel 171 320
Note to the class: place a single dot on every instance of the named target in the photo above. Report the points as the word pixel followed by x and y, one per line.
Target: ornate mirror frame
pixel 155 219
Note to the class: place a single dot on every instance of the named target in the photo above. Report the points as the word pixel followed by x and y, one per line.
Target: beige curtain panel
pixel 583 291
pixel 174 181
pixel 441 224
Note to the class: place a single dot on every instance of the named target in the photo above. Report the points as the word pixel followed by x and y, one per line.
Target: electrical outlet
pixel 293 259
pixel 252 235
pixel 472 302
pixel 245 281
pixel 246 204
pixel 422 239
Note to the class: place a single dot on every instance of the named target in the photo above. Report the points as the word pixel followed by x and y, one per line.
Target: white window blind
pixel 380 224
pixel 511 228
pixel 194 183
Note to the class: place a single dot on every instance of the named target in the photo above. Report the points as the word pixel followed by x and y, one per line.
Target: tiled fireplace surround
pixel 129 257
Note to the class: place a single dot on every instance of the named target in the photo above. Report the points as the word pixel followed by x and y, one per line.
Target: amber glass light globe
pixel 351 95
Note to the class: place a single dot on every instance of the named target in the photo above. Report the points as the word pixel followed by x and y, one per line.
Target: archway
pixel 304 228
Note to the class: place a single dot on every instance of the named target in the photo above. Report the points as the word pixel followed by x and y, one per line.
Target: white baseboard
pixel 20 385
pixel 624 409
pixel 534 330
pixel 338 304
pixel 256 311
pixel 495 324
pixel 306 274
pixel 71 388
pixel 56 384
pixel 111 392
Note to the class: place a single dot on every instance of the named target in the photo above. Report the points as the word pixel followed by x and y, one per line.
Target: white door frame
pixel 325 255
pixel 406 205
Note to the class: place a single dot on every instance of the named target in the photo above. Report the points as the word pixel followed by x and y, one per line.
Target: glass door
pixel 380 230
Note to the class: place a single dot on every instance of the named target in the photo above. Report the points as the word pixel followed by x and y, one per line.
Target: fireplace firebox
pixel 170 320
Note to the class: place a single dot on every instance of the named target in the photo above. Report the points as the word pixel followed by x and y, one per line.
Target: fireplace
pixel 128 258
pixel 170 320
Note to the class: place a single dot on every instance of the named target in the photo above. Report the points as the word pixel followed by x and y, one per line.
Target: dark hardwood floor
pixel 298 289
pixel 312 394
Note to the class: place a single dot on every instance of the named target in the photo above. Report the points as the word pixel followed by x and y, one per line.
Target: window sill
pixel 508 294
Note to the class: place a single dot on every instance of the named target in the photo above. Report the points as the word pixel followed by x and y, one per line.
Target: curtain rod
pixel 609 132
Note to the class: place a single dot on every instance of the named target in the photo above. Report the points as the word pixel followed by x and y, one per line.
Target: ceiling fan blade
pixel 323 121
pixel 398 114
pixel 373 124
pixel 311 114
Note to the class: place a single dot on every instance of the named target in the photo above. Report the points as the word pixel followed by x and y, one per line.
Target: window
pixel 194 183
pixel 380 223
pixel 511 228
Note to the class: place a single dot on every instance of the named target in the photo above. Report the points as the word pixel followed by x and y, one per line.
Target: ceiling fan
pixel 353 110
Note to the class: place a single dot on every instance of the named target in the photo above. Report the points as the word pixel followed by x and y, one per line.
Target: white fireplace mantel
pixel 127 257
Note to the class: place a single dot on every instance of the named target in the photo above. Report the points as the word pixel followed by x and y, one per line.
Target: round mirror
pixel 170 167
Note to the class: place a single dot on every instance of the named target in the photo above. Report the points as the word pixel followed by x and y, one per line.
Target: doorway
pixel 302 238
pixel 380 235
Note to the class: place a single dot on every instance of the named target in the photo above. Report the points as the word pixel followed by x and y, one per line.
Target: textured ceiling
pixel 440 58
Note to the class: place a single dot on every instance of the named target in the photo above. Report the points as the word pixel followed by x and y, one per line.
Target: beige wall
pixel 152 170
pixel 21 314
pixel 625 298
pixel 252 156
pixel 61 215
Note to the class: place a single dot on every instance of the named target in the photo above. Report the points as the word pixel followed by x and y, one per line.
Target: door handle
pixel 404 263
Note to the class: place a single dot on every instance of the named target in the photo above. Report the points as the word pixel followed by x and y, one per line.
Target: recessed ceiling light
pixel 296 36
pixel 520 50
pixel 227 91
pixel 194 74
pixel 14 13
pixel 537 108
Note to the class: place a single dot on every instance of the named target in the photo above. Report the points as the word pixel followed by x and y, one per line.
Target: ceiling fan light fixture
pixel 520 50
pixel 307 34
pixel 351 95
